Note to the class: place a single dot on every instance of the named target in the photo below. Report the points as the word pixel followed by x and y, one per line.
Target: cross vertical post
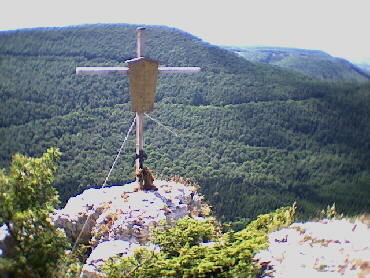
pixel 139 115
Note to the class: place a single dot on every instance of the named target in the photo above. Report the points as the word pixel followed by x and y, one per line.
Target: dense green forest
pixel 311 62
pixel 256 137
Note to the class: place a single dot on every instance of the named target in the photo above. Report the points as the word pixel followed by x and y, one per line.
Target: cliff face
pixel 118 218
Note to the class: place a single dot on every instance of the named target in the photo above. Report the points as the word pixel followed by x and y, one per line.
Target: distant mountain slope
pixel 32 58
pixel 255 136
pixel 311 62
pixel 365 65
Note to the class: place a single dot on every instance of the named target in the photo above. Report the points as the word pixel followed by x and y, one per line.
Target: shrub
pixel 193 248
pixel 27 199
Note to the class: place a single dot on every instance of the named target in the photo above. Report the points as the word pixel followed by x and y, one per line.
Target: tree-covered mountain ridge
pixel 314 63
pixel 364 64
pixel 256 137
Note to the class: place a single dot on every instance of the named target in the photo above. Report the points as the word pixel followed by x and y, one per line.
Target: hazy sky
pixel 339 27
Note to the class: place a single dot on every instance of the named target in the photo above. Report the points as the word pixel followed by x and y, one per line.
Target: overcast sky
pixel 339 27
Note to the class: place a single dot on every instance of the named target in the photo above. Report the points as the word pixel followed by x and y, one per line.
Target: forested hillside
pixel 311 62
pixel 255 137
pixel 365 65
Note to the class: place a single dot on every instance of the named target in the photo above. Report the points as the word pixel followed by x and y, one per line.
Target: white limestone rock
pixel 330 248
pixel 5 241
pixel 121 217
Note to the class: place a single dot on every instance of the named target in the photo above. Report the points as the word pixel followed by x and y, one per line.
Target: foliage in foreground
pixel 193 248
pixel 27 199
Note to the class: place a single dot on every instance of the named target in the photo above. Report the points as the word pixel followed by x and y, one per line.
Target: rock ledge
pixel 121 217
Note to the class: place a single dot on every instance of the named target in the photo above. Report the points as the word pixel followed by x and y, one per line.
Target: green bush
pixel 193 248
pixel 27 199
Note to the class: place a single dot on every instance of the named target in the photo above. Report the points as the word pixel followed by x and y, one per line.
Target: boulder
pixel 329 248
pixel 119 218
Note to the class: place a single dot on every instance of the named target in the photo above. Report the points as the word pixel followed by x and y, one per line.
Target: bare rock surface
pixel 120 217
pixel 6 242
pixel 329 248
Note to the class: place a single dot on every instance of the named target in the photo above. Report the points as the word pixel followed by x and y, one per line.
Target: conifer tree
pixel 27 198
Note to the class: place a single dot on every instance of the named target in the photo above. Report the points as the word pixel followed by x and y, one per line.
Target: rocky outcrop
pixel 119 218
pixel 329 248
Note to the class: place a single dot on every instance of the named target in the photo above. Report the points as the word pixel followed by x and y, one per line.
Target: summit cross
pixel 142 73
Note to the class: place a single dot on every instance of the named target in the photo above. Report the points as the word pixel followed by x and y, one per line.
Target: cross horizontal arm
pixel 178 69
pixel 101 70
pixel 124 70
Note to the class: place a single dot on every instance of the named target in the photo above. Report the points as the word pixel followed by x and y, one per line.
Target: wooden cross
pixel 142 74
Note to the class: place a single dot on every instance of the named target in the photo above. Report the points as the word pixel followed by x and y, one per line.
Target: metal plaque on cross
pixel 142 73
